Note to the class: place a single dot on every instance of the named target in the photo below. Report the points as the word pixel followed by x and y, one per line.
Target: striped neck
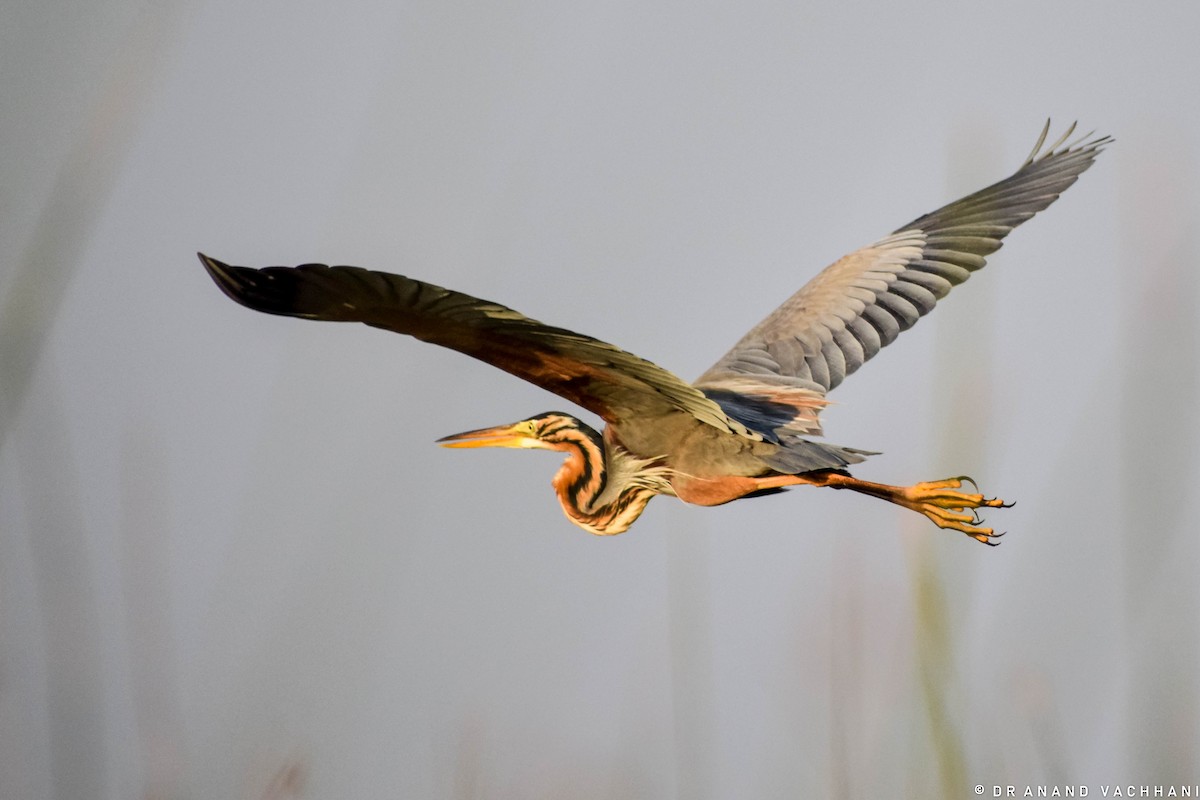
pixel 602 488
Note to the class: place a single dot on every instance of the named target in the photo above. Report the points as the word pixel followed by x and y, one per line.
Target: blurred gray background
pixel 234 565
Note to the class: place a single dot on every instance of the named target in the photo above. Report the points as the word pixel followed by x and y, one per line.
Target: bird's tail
pixel 801 455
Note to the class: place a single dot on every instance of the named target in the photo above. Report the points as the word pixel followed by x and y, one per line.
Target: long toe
pixel 970 524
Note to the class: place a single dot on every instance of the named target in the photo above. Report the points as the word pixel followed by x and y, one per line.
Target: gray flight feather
pixel 861 303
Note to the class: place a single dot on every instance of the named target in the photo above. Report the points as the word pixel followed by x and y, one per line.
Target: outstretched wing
pixel 596 375
pixel 860 303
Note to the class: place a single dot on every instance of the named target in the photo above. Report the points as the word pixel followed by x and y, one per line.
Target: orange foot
pixel 956 511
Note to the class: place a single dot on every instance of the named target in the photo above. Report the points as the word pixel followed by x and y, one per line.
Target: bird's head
pixel 553 430
pixel 600 500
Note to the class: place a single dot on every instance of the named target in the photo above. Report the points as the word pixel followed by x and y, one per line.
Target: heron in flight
pixel 743 429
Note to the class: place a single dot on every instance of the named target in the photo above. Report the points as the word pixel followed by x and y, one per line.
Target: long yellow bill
pixel 501 436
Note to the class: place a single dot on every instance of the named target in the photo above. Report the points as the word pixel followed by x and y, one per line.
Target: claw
pixel 988 538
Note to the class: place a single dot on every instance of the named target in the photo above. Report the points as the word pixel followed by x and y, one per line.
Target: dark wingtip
pixel 224 276
pixel 286 291
pixel 211 264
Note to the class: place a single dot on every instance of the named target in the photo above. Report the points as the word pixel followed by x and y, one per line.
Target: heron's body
pixel 745 426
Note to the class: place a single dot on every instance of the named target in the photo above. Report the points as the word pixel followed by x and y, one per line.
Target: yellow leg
pixel 937 500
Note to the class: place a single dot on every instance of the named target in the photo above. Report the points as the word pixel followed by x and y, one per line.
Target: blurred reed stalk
pixel 1160 390
pixel 960 413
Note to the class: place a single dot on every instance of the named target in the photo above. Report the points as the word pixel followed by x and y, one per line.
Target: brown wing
pixel 596 375
pixel 860 303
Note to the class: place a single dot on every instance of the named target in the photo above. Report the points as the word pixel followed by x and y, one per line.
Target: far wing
pixel 596 375
pixel 860 303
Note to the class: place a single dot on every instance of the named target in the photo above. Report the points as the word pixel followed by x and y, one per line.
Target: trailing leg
pixel 938 500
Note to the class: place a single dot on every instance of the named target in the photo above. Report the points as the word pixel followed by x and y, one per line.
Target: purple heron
pixel 743 428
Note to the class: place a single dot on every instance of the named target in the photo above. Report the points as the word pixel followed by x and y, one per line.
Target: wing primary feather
pixel 951 273
pixel 936 285
pixel 904 312
pixel 921 298
pixel 851 349
pixel 1038 146
pixel 867 335
pixel 883 322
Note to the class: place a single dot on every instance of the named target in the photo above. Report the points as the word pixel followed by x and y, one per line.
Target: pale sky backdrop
pixel 233 564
